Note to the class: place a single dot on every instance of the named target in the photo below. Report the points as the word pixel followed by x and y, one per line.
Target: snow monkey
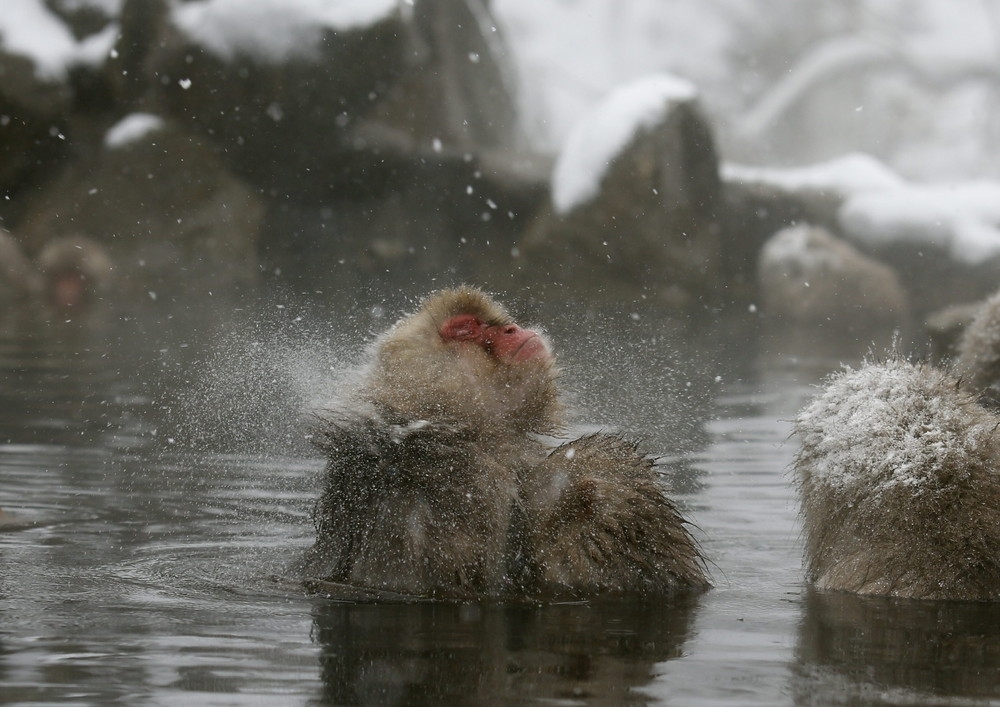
pixel 898 478
pixel 440 481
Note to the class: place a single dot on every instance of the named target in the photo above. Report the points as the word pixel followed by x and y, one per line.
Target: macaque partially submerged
pixel 76 271
pixel 899 478
pixel 438 484
pixel 977 365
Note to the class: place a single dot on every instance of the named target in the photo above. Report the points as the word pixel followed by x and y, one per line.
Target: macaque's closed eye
pixel 506 342
pixel 464 327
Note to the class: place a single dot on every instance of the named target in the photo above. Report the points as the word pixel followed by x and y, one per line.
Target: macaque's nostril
pixel 512 329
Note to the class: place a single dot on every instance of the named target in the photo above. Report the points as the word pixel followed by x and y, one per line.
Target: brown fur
pixel 898 478
pixel 419 375
pixel 436 484
pixel 978 361
pixel 601 523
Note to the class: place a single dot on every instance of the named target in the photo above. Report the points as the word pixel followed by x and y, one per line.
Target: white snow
pixel 802 245
pixel 962 220
pixel 273 30
pixel 569 55
pixel 28 28
pixel 111 8
pixel 132 127
pixel 783 82
pixel 886 425
pixel 603 134
pixel 95 49
pixel 850 174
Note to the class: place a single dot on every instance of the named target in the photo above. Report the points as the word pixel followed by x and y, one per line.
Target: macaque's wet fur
pixel 978 362
pixel 438 485
pixel 900 487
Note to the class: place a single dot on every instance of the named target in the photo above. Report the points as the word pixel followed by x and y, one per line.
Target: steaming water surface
pixel 162 486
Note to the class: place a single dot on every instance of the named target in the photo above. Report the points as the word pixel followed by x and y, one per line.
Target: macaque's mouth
pixel 531 348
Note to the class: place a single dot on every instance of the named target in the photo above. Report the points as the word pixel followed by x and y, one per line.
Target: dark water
pixel 159 467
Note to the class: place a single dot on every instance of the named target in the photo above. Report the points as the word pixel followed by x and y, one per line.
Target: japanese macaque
pixel 439 485
pixel 978 362
pixel 899 479
pixel 75 270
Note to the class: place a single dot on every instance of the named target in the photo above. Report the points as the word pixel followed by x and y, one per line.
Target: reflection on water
pixel 159 466
pixel 470 654
pixel 866 648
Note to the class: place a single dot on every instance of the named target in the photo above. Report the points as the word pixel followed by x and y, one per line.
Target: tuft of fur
pixel 897 473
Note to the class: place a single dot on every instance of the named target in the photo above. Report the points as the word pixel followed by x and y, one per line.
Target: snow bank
pixel 602 135
pixel 273 30
pixel 131 128
pixel 960 219
pixel 880 208
pixel 850 174
pixel 28 29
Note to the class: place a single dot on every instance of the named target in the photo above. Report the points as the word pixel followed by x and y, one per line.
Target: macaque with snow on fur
pixel 438 483
pixel 899 479
pixel 977 365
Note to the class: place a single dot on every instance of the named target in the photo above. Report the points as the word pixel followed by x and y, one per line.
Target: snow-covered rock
pixel 600 138
pixel 961 220
pixel 274 31
pixel 313 98
pixel 942 238
pixel 635 197
pixel 810 279
pixel 162 203
pixel 132 127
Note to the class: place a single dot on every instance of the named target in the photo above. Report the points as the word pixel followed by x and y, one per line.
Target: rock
pixel 810 278
pixel 760 201
pixel 453 218
pixel 322 106
pixel 162 204
pixel 636 192
pixel 943 239
pixel 34 102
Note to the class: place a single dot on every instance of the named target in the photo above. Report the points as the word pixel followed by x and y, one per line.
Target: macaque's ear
pixel 463 327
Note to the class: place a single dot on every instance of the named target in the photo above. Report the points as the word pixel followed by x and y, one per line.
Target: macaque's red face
pixel 508 343
pixel 68 289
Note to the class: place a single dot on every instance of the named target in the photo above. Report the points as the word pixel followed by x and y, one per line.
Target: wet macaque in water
pixel 439 484
pixel 76 272
pixel 899 477
pixel 978 362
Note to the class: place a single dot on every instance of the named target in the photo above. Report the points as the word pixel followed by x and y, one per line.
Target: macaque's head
pixel 462 357
pixel 76 271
